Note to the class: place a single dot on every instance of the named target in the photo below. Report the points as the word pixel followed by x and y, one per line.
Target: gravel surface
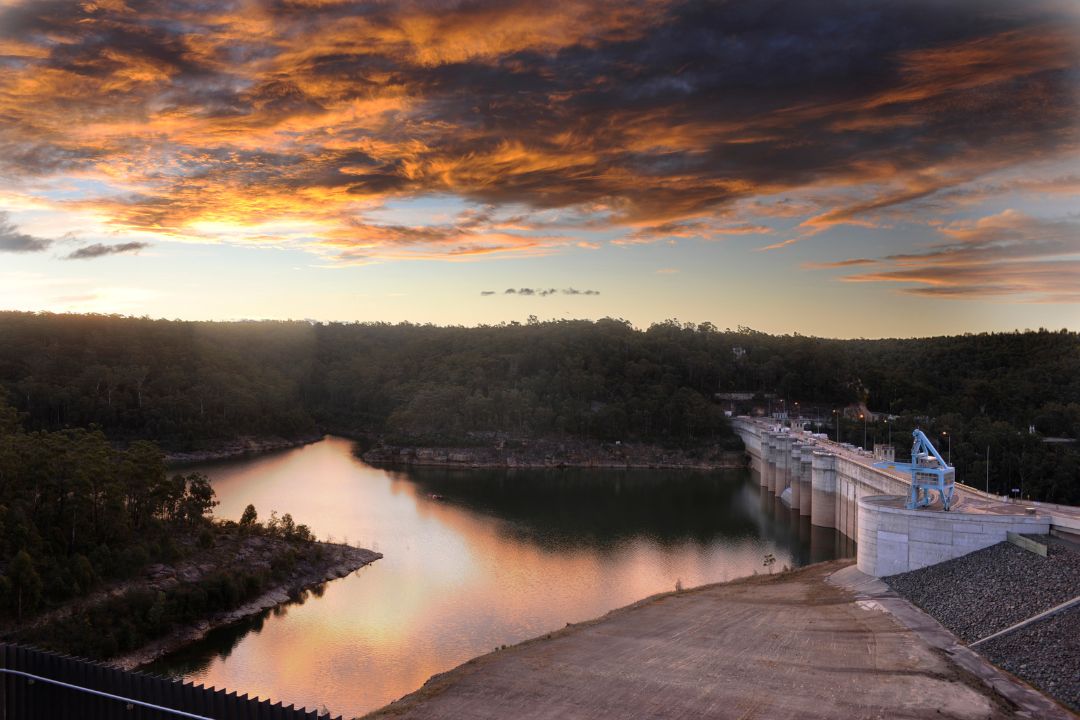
pixel 988 590
pixel 1045 653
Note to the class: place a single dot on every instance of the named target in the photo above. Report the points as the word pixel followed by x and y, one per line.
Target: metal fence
pixel 40 685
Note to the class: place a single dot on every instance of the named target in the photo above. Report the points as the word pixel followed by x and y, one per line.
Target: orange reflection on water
pixel 462 576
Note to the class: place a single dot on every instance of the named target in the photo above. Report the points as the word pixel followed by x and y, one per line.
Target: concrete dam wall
pixel 838 487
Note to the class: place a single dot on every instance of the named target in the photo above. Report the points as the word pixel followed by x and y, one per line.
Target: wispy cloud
pixel 14 241
pixel 702 229
pixel 472 234
pixel 1008 255
pixel 541 292
pixel 850 262
pixel 98 250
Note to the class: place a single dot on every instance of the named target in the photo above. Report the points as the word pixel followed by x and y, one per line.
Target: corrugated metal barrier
pixel 40 685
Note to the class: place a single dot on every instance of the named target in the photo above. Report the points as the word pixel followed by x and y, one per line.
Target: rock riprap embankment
pixel 992 589
pixel 988 590
pixel 1045 653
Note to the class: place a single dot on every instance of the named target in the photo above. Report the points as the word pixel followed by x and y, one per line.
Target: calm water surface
pixel 504 556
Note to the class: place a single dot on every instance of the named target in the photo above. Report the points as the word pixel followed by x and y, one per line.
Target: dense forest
pixel 79 516
pixel 189 385
pixel 75 511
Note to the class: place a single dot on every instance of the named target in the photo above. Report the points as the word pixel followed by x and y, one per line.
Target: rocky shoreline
pixel 343 561
pixel 241 447
pixel 532 453
pixel 555 454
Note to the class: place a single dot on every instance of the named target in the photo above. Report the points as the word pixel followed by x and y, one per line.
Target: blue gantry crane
pixel 929 471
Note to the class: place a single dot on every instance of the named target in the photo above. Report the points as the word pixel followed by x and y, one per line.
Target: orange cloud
pixel 1008 255
pixel 660 119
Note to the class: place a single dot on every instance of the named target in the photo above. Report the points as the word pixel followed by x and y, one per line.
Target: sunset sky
pixel 836 168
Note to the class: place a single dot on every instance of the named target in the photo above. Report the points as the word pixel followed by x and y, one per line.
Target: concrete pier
pixel 806 457
pixel 783 461
pixel 793 475
pixel 823 489
pixel 768 462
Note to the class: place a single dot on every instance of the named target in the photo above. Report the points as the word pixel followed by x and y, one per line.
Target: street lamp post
pixel 946 434
pixel 862 416
pixel 837 415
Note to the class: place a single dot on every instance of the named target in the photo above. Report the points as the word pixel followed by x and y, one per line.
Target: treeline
pixel 603 380
pixel 179 384
pixel 188 385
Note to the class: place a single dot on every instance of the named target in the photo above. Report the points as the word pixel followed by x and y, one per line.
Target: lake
pixel 474 559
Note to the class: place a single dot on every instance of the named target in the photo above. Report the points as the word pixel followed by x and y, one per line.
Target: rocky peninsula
pixel 239 573
pixel 336 561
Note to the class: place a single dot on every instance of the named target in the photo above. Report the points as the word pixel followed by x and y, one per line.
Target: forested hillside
pixel 182 384
pixel 191 384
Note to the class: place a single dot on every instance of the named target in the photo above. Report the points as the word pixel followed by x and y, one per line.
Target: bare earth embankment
pixel 782 646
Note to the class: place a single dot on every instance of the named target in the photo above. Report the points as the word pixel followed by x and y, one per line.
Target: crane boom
pixel 929 472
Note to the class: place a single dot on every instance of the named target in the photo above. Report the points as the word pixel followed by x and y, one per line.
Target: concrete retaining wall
pixel 893 539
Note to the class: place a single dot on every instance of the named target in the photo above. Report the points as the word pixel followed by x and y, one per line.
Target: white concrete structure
pixel 893 539
pixel 806 458
pixel 823 489
pixel 830 481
